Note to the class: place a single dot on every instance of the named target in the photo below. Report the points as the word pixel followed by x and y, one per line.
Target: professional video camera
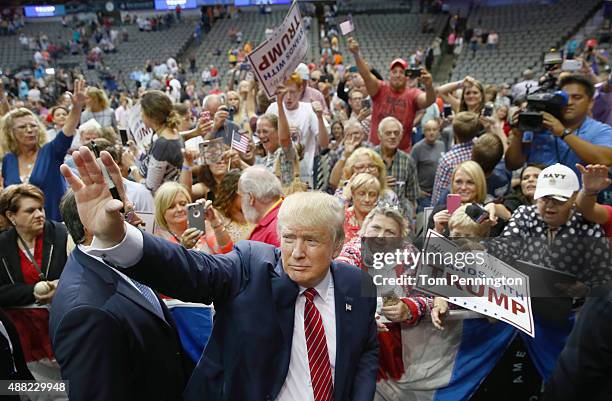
pixel 553 103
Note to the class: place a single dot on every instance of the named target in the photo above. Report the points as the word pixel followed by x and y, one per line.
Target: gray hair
pixel 353 124
pixel 68 209
pixel 210 98
pixel 386 120
pixel 258 181
pixel 314 210
pixel 387 210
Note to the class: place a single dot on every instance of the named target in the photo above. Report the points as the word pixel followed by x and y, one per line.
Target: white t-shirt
pixel 305 119
pixel 140 196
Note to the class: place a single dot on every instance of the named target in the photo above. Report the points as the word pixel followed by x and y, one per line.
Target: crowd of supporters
pixel 392 146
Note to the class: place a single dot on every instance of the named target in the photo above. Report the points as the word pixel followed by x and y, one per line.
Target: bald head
pixel 431 131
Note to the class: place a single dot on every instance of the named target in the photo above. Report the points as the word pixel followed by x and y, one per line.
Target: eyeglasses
pixel 22 128
pixel 365 167
pixel 554 201
pixel 391 133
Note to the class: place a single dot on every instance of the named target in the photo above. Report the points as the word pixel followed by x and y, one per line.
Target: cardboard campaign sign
pixel 276 58
pixel 137 131
pixel 476 281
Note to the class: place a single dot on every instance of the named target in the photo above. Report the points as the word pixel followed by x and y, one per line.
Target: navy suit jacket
pixel 247 357
pixel 110 343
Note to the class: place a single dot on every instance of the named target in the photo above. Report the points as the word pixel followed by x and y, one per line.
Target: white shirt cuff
pixel 125 254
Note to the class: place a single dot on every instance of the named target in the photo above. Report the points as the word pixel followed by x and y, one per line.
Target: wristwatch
pixel 565 133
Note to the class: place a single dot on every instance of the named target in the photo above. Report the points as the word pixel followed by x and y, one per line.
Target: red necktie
pixel 318 356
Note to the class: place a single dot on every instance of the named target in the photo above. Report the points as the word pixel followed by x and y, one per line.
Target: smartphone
pixel 448 110
pixel 195 216
pixel 366 103
pixel 453 202
pixel 477 213
pixel 413 72
pixel 488 111
pixel 124 136
pixel 205 114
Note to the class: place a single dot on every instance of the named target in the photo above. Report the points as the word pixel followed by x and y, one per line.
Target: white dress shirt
pixel 298 385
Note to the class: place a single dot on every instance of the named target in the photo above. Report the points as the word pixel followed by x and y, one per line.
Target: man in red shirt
pixel 394 98
pixel 261 196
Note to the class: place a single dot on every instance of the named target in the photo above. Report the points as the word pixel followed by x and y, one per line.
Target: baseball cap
pixel 303 71
pixel 557 181
pixel 401 61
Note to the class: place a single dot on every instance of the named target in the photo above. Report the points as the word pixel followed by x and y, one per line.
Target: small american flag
pixel 240 142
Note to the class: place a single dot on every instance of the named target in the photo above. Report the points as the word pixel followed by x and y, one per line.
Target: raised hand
pixel 353 46
pixel 594 178
pixel 98 211
pixel 79 96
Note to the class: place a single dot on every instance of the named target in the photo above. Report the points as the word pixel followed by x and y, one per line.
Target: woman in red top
pixel 32 250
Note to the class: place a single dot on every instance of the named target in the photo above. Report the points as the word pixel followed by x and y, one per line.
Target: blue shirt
pixel 46 173
pixel 548 149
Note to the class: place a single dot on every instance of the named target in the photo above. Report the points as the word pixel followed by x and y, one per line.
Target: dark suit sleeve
pixel 17 294
pixel 190 275
pixel 584 365
pixel 92 350
pixel 364 385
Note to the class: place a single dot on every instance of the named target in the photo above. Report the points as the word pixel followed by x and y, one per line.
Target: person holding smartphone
pixel 468 185
pixel 394 97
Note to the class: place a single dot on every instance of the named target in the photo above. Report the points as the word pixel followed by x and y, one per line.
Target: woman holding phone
pixel 468 185
pixel 172 209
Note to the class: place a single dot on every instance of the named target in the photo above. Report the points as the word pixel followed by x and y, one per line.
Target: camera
pixel 553 103
pixel 413 72
pixel 231 110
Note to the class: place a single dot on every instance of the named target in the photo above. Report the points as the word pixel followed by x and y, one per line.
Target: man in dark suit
pixel 290 324
pixel 112 336
pixel 584 367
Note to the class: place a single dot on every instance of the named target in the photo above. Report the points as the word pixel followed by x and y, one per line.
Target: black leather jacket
pixel 13 291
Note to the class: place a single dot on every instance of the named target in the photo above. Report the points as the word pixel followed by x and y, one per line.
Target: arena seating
pixel 526 32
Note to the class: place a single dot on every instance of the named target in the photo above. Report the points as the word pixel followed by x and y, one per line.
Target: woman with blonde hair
pixel 365 160
pixel 98 108
pixel 363 191
pixel 164 159
pixel 469 182
pixel 30 159
pixel 171 221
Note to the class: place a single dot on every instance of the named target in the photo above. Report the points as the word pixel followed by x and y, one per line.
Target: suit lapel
pixel 284 293
pixel 123 288
pixel 344 305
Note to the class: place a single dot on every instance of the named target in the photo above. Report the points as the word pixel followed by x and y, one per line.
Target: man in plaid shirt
pixel 401 168
pixel 466 126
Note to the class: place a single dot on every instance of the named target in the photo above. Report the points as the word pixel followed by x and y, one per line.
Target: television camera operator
pixel 555 127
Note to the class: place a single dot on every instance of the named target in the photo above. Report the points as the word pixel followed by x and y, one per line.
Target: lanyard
pixel 34 263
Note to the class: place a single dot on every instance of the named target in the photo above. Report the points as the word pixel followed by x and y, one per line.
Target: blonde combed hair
pixel 374 157
pixel 475 172
pixel 358 181
pixel 9 142
pixel 313 210
pixel 164 196
pixel 101 101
